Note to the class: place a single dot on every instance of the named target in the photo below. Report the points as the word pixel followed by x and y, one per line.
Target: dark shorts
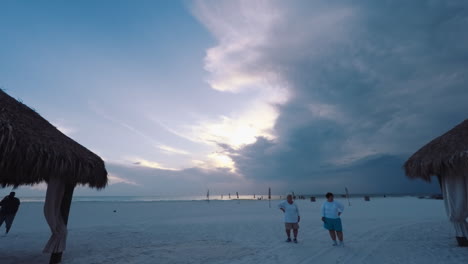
pixel 291 225
pixel 333 224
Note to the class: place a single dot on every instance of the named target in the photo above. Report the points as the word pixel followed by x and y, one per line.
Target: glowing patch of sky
pixel 128 81
pixel 231 93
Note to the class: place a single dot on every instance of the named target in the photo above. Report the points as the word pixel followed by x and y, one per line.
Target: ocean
pixel 217 197
pixel 33 199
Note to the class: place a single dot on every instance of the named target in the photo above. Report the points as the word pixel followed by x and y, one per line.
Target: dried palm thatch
pixel 447 153
pixel 32 151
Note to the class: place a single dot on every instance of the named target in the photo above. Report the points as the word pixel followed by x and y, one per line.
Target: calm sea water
pixel 187 198
pixel 151 198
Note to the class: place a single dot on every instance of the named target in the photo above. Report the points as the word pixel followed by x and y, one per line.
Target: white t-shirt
pixel 331 209
pixel 291 211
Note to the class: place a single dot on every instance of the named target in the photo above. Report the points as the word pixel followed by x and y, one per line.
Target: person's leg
pixel 2 219
pixel 295 231
pixel 295 228
pixel 339 229
pixel 328 224
pixel 9 221
pixel 340 235
pixel 288 233
pixel 288 227
pixel 333 237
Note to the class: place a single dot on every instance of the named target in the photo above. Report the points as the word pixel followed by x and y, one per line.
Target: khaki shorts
pixel 291 225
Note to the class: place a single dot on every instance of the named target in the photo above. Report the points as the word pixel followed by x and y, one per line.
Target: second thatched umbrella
pixel 33 151
pixel 447 158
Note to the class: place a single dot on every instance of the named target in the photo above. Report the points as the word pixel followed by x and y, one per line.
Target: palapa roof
pixel 445 154
pixel 32 150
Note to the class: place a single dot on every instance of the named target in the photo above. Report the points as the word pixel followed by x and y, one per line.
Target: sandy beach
pixel 384 230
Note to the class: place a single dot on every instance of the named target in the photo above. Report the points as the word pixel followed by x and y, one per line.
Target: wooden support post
pixel 56 258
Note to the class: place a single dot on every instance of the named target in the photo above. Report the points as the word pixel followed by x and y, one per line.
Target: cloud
pixel 240 129
pixel 114 179
pixel 171 150
pixel 140 180
pixel 102 113
pixel 362 79
pixel 373 174
pixel 65 129
pixel 149 164
pixel 232 63
pixel 233 66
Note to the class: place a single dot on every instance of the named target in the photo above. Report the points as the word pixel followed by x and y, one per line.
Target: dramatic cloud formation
pixel 143 180
pixel 367 82
pixel 302 95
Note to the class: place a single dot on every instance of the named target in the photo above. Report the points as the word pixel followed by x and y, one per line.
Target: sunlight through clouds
pixel 233 67
pixel 216 161
pixel 220 160
pixel 242 92
pixel 239 130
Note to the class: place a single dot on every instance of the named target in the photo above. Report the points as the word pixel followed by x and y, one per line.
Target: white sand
pixel 385 230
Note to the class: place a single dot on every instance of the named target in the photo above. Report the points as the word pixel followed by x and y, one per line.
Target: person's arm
pixel 323 212
pixel 281 206
pixel 298 215
pixel 340 208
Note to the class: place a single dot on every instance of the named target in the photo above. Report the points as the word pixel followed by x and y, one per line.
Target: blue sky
pixel 181 96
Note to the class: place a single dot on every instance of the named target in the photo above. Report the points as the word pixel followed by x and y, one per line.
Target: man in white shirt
pixel 331 211
pixel 291 217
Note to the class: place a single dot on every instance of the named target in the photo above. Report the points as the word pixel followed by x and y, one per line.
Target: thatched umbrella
pixel 447 158
pixel 33 151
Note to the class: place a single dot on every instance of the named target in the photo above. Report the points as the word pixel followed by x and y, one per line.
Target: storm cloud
pixel 368 84
pixel 306 96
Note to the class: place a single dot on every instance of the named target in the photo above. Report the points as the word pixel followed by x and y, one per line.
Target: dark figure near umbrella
pixel 10 205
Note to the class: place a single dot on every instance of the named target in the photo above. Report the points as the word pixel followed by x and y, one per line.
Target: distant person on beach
pixel 291 217
pixel 331 211
pixel 10 205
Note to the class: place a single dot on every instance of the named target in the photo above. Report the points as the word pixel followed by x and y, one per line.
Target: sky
pixel 178 97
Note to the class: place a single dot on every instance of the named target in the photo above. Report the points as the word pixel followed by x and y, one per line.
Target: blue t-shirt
pixel 331 209
pixel 291 211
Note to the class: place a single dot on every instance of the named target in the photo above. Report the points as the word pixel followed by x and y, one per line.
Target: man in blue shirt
pixel 291 217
